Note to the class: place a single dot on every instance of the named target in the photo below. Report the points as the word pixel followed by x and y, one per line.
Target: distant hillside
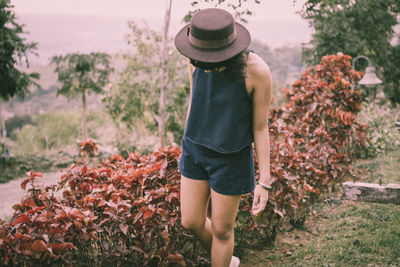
pixel 61 34
pixel 41 100
pixel 45 97
pixel 48 78
pixel 284 62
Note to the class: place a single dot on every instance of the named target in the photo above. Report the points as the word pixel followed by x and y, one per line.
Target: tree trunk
pixel 3 127
pixel 162 116
pixel 46 138
pixel 84 120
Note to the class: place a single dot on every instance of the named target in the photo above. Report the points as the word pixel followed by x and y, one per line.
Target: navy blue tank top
pixel 220 116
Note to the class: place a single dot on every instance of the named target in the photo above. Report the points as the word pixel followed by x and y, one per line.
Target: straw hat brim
pixel 241 42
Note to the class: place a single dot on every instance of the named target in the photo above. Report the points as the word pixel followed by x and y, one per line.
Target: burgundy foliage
pixel 88 148
pixel 313 139
pixel 126 211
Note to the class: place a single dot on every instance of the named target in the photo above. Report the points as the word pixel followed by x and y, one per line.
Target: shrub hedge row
pixel 125 211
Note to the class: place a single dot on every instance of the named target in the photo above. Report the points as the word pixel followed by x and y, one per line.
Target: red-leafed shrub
pixel 317 131
pixel 313 138
pixel 88 148
pixel 126 211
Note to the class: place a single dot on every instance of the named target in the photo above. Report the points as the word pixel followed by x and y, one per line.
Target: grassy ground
pixel 385 167
pixel 354 234
pixel 18 166
pixel 343 233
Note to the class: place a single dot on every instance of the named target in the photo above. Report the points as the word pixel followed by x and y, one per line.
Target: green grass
pixel 358 235
pixel 343 233
pixel 385 167
pixel 18 166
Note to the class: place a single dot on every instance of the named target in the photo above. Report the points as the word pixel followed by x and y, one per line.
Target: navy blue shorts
pixel 227 173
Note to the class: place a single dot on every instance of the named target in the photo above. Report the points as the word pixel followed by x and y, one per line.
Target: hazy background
pixel 47 126
pixel 61 26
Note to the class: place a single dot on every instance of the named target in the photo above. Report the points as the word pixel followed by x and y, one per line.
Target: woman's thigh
pixel 195 195
pixel 224 210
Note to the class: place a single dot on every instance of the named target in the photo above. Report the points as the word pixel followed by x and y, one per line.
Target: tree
pixel 137 96
pixel 82 74
pixel 13 51
pixel 162 116
pixel 152 73
pixel 48 131
pixel 392 73
pixel 240 11
pixel 362 27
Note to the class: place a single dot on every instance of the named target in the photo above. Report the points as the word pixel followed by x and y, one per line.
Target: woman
pixel 230 91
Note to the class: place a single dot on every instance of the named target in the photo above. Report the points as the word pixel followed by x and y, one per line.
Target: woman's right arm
pixel 190 73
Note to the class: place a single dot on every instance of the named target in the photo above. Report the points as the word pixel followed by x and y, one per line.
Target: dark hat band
pixel 214 44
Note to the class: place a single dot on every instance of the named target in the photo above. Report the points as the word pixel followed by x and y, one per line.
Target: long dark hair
pixel 235 66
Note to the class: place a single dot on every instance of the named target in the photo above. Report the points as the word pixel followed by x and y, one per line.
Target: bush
pixel 122 212
pixel 29 140
pixel 319 125
pixel 381 118
pixel 126 211
pixel 18 166
pixel 51 131
pixel 17 122
pixel 313 140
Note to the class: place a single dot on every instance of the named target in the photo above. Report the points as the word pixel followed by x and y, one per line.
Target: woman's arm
pixel 261 82
pixel 190 73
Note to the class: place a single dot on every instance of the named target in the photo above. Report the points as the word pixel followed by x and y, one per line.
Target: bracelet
pixel 264 186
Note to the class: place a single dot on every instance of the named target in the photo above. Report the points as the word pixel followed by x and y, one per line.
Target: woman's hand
pixel 260 200
pixel 259 79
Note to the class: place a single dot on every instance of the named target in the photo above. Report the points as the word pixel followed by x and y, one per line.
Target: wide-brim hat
pixel 212 36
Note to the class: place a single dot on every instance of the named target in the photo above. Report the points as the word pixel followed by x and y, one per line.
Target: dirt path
pixel 11 192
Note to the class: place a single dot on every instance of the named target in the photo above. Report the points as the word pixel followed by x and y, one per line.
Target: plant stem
pixel 84 119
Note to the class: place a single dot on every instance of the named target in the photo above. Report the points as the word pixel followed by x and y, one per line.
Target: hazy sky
pixel 274 22
pixel 147 8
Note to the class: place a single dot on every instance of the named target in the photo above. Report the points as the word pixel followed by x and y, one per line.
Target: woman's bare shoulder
pixel 258 73
pixel 256 67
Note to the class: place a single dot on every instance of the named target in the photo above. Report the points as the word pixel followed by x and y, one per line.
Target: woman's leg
pixel 195 196
pixel 224 210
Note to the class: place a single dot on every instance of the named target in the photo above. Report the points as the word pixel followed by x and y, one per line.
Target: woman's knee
pixel 222 231
pixel 192 223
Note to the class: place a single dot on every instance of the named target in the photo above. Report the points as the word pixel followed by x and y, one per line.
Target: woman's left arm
pixel 261 82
